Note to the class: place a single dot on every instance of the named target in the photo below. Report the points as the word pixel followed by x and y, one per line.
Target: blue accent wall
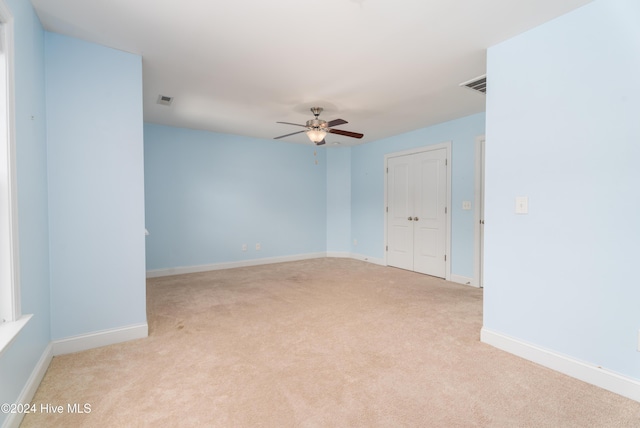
pixel 367 187
pixel 207 194
pixel 96 187
pixel 18 361
pixel 563 128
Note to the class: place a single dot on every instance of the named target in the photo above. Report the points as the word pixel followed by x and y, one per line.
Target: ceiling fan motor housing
pixel 317 124
pixel 318 128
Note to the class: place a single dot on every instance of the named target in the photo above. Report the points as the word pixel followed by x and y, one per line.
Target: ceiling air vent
pixel 477 84
pixel 164 100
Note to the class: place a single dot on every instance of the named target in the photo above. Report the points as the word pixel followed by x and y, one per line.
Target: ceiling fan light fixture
pixel 317 129
pixel 316 135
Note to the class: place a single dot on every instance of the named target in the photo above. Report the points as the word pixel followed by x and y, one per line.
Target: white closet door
pixel 400 198
pixel 429 219
pixel 417 220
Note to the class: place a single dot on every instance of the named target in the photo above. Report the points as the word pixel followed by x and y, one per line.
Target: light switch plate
pixel 522 205
pixel 466 205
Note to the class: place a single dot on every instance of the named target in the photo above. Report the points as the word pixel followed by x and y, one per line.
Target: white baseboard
pixel 156 273
pixel 230 265
pixel 29 390
pixel 339 254
pixel 464 280
pixel 373 260
pixel 589 373
pixel 99 338
pixel 347 255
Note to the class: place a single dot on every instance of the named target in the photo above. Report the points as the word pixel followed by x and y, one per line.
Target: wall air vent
pixel 164 100
pixel 477 84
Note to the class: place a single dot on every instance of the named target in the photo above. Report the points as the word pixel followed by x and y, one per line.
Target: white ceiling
pixel 237 67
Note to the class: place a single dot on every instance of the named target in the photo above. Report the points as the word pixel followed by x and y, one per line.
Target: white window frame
pixel 11 319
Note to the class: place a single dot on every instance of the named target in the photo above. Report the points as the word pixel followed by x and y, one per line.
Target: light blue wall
pixel 367 187
pixel 209 193
pixel 19 360
pixel 338 199
pixel 96 186
pixel 563 128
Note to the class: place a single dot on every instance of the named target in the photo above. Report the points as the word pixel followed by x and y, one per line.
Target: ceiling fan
pixel 318 128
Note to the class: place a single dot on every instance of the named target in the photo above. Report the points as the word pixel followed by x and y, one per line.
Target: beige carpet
pixel 318 343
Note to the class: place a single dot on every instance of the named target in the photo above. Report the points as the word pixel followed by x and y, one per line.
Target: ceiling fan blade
pixel 294 124
pixel 346 133
pixel 336 122
pixel 321 142
pixel 287 135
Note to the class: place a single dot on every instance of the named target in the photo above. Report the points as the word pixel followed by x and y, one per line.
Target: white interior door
pixel 399 228
pixel 416 212
pixel 430 220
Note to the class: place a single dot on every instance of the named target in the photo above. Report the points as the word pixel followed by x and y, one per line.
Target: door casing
pixel 478 230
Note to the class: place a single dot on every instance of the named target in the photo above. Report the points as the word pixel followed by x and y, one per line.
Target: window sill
pixel 9 331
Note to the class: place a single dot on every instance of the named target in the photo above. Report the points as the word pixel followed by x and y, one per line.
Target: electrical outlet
pixel 355 242
pixel 244 247
pixel 257 247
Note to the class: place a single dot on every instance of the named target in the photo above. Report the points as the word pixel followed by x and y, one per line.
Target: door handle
pixel 416 219
pixel 410 218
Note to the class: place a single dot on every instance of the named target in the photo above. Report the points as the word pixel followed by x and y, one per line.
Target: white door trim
pixel 478 216
pixel 447 146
